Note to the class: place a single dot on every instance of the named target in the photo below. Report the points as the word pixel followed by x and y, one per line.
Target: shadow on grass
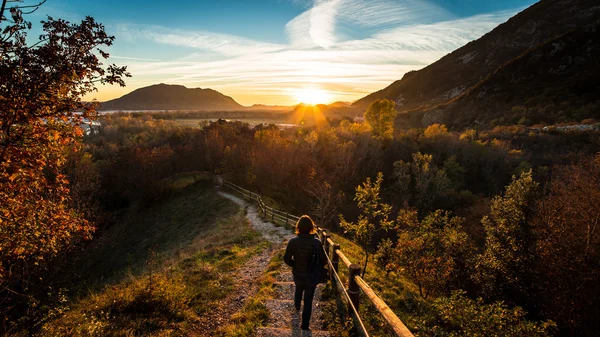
pixel 157 271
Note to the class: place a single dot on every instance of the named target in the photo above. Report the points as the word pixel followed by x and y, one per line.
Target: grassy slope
pixel 164 267
pixel 399 293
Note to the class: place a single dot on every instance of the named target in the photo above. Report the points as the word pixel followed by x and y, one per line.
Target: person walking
pixel 299 255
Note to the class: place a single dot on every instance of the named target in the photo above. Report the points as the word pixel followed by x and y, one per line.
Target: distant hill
pixel 340 104
pixel 458 72
pixel 172 97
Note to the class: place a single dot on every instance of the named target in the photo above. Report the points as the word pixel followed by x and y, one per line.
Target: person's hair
pixel 305 225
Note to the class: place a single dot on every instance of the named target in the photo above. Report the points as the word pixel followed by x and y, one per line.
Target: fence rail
pixel 351 293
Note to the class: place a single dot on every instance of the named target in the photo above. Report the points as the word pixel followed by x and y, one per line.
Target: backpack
pixel 316 272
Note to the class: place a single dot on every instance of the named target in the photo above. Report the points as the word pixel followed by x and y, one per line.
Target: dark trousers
pixel 302 286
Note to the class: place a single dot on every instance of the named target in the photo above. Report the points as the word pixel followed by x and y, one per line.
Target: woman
pixel 298 255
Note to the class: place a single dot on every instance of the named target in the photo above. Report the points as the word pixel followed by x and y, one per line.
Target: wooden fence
pixel 351 292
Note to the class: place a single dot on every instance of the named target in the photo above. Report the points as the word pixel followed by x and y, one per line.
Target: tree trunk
pixel 366 261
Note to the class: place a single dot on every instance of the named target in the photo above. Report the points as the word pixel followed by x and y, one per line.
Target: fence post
pixel 273 215
pixel 335 259
pixel 353 289
pixel 286 218
pixel 325 243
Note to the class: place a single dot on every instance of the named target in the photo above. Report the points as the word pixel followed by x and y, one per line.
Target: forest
pixel 502 217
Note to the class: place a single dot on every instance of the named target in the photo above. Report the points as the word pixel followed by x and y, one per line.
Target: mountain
pixel 556 81
pixel 458 72
pixel 172 97
pixel 340 104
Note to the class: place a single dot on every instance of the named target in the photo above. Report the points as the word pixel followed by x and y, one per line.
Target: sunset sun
pixel 312 96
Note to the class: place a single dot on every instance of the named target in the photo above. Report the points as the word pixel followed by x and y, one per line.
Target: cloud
pixel 317 53
pixel 385 13
pixel 132 58
pixel 440 36
pixel 316 26
pixel 322 22
pixel 228 45
pixel 330 21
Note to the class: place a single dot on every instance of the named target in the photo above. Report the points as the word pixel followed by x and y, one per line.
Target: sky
pixel 281 52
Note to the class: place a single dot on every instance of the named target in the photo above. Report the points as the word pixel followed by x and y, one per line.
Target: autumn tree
pixel 419 183
pixel 325 202
pixel 433 252
pixel 375 216
pixel 567 231
pixel 503 267
pixel 435 131
pixel 42 85
pixel 380 115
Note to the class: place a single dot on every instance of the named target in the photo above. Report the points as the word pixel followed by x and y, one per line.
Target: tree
pixel 566 225
pixel 503 268
pixel 381 117
pixel 432 251
pixel 436 130
pixel 30 8
pixel 419 182
pixel 374 216
pixel 385 255
pixel 324 201
pixel 42 85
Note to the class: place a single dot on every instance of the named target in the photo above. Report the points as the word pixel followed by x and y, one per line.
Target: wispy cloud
pixel 132 58
pixel 440 36
pixel 320 50
pixel 385 13
pixel 322 22
pixel 228 45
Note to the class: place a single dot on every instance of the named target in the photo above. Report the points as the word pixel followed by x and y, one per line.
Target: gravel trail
pixel 247 275
pixel 274 234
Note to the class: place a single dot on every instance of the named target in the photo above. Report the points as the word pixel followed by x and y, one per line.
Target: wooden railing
pixel 351 293
pixel 269 212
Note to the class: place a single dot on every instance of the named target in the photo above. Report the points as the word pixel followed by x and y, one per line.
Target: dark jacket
pixel 299 251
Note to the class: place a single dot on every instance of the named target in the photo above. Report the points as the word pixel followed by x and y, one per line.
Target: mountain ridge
pixel 459 71
pixel 172 97
pixel 534 87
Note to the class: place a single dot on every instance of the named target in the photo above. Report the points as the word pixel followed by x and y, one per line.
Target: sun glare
pixel 312 96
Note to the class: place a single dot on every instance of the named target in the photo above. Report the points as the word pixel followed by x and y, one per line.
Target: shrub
pixel 474 318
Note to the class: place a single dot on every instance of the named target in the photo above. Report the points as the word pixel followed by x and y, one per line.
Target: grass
pixel 163 268
pixel 399 293
pixel 156 233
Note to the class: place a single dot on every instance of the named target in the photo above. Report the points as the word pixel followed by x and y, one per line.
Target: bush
pixel 463 316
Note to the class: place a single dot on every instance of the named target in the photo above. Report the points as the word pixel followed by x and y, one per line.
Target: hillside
pixel 167 269
pixel 462 69
pixel 172 97
pixel 554 82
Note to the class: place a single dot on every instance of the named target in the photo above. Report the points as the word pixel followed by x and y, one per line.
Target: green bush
pixel 462 316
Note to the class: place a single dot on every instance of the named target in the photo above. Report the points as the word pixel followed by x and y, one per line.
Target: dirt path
pixel 245 278
pixel 284 320
pixel 275 235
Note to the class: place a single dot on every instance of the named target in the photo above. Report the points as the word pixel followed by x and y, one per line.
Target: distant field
pixel 194 122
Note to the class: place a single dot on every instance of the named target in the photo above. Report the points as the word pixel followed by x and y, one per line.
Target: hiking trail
pixel 283 319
